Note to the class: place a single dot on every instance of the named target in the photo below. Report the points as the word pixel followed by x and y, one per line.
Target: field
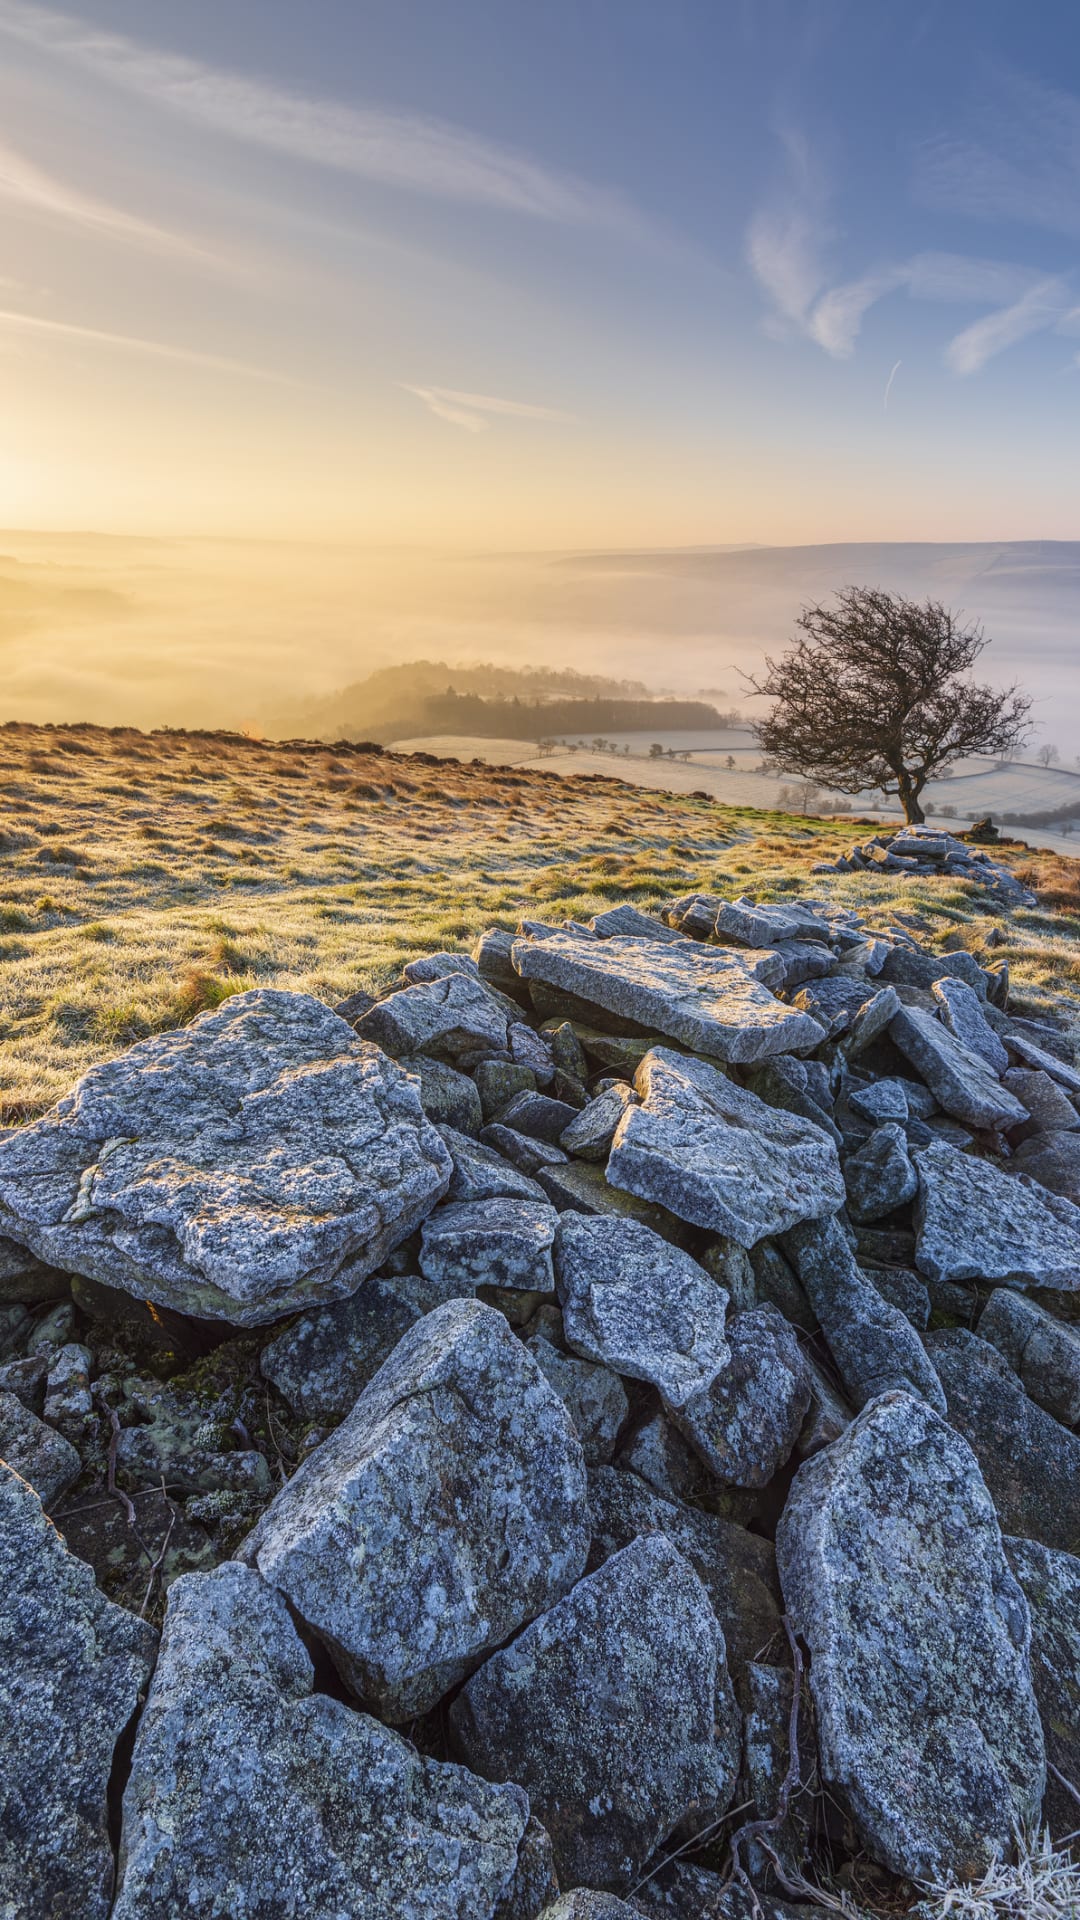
pixel 145 877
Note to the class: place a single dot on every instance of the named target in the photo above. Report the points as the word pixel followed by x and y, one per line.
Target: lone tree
pixel 875 694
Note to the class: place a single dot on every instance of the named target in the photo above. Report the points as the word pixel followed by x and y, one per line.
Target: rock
pixel 40 1456
pixel 827 1417
pixel 584 1904
pixel 538 1115
pixel 682 1892
pixel 880 1177
pixel 500 1081
pixel 775 1281
pixel 655 1451
pixel 974 1222
pixel 25 1379
pixel 1051 1584
pixel 787 1082
pixel 1030 1462
pixel 480 1173
pixel 323 1360
pixel 526 1154
pixel 446 1017
pixel 1044 1352
pixel 449 1098
pixel 902 1289
pixel 874 1346
pixel 490 1243
pixel 330 1813
pixel 531 1049
pixel 580 1187
pixel 1053 1159
pixel 72 1670
pixel 1022 1047
pixel 169 1434
pixel 614 1711
pixel 908 967
pixel 436 966
pixel 1049 1108
pixel 894 1575
pixel 873 1019
pixel 804 960
pixel 961 1012
pixel 69 1406
pixel 630 920
pixel 694 915
pixel 591 1132
pixel 834 1002
pixel 492 956
pixel 747 924
pixel 746 1423
pixel 717 1156
pixel 230 1168
pixel 22 1277
pixel 767 1766
pixel 704 997
pixel 737 1569
pixel 639 1305
pixel 960 1081
pixel 880 1101
pixel 594 1397
pixel 54 1329
pixel 446 1511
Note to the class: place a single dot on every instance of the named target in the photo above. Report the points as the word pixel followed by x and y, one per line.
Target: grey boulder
pixel 880 1177
pixel 231 1168
pixel 1051 1583
pixel 961 1010
pixel 961 1081
pixel 72 1670
pixel 639 1305
pixel 614 1711
pixel 36 1452
pixel 251 1795
pixel 324 1359
pixel 703 997
pixel 447 1510
pixel 451 1015
pixel 490 1243
pixel 974 1222
pixel 894 1575
pixel 1044 1352
pixel 594 1397
pixel 592 1131
pixel 715 1155
pixel 481 1173
pixel 1053 1160
pixel 745 1424
pixel 874 1345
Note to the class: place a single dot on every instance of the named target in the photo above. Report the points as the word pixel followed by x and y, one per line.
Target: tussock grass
pixel 196 866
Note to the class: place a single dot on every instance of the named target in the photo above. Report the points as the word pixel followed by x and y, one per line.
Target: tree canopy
pixel 876 694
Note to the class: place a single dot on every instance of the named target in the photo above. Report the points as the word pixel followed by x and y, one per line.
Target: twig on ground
pixel 159 1558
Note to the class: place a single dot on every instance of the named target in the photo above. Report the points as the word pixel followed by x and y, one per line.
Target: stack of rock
pixel 926 850
pixel 539 1393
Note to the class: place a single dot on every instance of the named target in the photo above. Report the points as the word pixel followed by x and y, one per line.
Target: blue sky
pixel 505 274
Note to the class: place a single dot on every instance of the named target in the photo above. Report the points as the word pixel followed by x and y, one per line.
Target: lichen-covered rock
pixel 736 1568
pixel 1051 1583
pixel 614 1711
pixel 448 1016
pixel 747 924
pixel 870 1022
pixel 961 1010
pixel 894 1575
pixel 874 1345
pixel 585 1904
pixel 447 1510
pixel 324 1359
pixel 715 1155
pixel 639 1305
pixel 880 1177
pixel 490 1243
pixel 705 998
pixel 962 1082
pixel 879 1101
pixel 250 1795
pixel 1044 1352
pixel 480 1173
pixel 231 1168
pixel 1030 1462
pixel 72 1669
pixel 449 1098
pixel 592 1131
pixel 745 1424
pixel 593 1396
pixel 36 1452
pixel 974 1222
pixel 1053 1159
pixel 1049 1108
pixel 69 1405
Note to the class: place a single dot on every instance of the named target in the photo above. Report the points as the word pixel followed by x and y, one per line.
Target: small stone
pixel 69 1405
pixel 626 919
pixel 880 1101
pixel 715 1155
pixel 880 1178
pixel 614 1711
pixel 446 1511
pixel 894 1575
pixel 639 1305
pixel 655 1452
pixel 585 1904
pixel 961 1081
pixel 579 1187
pixel 490 1243
pixel 974 1222
pixel 827 1417
pixel 962 1012
pixel 40 1456
pixel 775 1281
pixel 591 1132
pixel 747 924
pixel 1044 1352
pixel 492 957
pixel 902 1289
pixel 746 1423
pixel 874 1346
pixel 530 1049
pixel 1030 1462
pixel 481 1173
pixel 54 1329
pixel 72 1669
pixel 908 967
pixel 593 1396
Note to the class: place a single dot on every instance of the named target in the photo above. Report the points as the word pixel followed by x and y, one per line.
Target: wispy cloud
pixel 396 149
pixel 472 410
pixel 13 321
pixel 1027 170
pixel 1044 305
pixel 786 238
pixel 888 385
pixel 26 185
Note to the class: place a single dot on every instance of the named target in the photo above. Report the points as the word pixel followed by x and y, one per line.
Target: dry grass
pixel 144 878
pixel 1043 1884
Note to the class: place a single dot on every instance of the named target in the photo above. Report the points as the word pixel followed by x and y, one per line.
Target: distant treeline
pixel 1044 817
pixel 471 713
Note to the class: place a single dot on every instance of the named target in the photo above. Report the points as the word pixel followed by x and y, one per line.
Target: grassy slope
pixel 145 877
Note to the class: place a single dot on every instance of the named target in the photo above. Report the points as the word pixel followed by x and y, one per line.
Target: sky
pixel 505 276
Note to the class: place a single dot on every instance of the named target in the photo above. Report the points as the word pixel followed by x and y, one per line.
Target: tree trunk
pixel 909 792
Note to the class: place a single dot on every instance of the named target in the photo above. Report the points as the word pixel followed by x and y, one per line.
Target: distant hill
pixel 428 697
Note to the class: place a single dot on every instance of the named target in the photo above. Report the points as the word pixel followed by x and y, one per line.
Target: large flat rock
pixel 975 1222
pixel 251 1796
pixel 230 1169
pixel 704 997
pixel 961 1080
pixel 893 1571
pixel 447 1510
pixel 72 1669
pixel 714 1154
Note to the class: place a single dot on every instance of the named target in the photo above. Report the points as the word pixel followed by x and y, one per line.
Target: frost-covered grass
pixel 144 878
pixel 1043 1884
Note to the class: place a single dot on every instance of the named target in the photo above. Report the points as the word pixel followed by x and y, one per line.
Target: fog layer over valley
pixel 191 632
